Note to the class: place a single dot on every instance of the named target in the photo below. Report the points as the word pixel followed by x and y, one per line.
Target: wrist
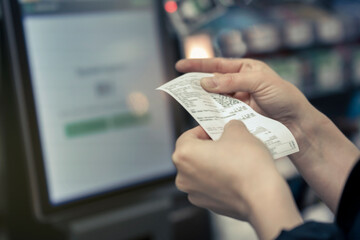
pixel 273 210
pixel 306 130
pixel 326 156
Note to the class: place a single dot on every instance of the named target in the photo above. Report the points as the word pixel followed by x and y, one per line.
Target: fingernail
pixel 179 64
pixel 209 83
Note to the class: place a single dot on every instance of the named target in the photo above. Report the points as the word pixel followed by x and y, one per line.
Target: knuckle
pixel 252 65
pixel 179 183
pixel 175 158
pixel 181 153
pixel 248 66
pixel 219 64
pixel 258 65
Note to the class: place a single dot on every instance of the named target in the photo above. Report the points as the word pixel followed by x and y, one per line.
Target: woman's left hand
pixel 235 176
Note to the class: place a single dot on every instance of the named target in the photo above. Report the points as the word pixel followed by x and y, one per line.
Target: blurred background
pixel 77 82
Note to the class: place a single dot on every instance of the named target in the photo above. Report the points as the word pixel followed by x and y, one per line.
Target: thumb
pixel 234 129
pixel 232 82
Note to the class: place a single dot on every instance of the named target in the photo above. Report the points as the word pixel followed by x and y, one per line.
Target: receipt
pixel 212 111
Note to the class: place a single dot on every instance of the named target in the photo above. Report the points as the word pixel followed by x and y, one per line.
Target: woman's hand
pixel 256 84
pixel 235 176
pixel 326 156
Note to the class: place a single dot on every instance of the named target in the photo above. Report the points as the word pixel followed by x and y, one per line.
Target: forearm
pixel 326 156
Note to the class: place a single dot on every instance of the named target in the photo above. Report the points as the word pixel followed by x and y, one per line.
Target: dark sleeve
pixel 312 231
pixel 348 215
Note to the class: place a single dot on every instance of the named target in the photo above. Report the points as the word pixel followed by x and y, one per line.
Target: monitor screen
pixel 94 66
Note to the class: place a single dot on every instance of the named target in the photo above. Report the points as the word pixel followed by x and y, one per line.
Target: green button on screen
pixel 98 125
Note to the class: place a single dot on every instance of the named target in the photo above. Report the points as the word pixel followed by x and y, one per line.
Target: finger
pixel 234 129
pixel 196 133
pixel 212 65
pixel 233 82
pixel 180 183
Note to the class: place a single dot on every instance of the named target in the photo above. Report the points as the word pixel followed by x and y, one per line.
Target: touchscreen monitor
pixel 91 71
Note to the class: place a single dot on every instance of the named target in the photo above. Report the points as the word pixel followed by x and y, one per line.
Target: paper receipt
pixel 212 111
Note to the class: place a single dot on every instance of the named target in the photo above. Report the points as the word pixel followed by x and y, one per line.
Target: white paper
pixel 212 111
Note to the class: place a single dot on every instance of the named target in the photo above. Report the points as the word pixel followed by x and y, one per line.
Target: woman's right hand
pixel 326 156
pixel 255 83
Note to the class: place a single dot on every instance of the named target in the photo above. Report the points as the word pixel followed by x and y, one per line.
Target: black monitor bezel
pixel 23 91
